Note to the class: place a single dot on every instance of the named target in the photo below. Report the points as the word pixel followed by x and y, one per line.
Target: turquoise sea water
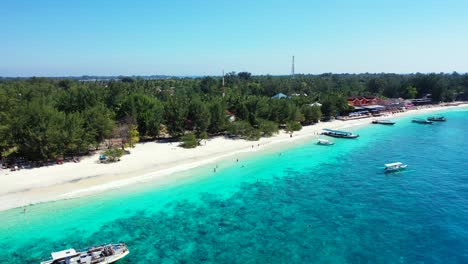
pixel 307 204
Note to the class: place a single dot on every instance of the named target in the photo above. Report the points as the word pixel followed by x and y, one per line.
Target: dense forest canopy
pixel 43 118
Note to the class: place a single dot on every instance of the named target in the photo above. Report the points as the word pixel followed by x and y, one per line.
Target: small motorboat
pixel 437 118
pixel 104 254
pixel 339 134
pixel 383 122
pixel 421 121
pixel 396 166
pixel 324 142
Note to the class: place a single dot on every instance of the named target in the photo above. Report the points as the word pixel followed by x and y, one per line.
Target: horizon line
pixel 214 75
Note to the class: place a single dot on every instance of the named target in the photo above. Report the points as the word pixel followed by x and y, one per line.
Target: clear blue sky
pixel 177 37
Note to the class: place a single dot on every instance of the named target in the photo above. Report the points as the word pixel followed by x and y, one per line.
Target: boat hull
pixel 437 119
pixel 383 123
pixel 325 144
pixel 339 136
pixel 116 258
pixel 400 168
pixel 426 122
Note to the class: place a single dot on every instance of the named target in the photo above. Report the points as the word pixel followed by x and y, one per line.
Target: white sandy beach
pixel 147 162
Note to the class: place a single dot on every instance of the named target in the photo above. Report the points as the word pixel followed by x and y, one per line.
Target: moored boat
pixel 396 166
pixel 104 254
pixel 421 121
pixel 383 122
pixel 437 118
pixel 339 134
pixel 324 142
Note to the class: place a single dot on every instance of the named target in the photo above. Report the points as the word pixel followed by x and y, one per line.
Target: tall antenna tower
pixel 292 68
pixel 223 83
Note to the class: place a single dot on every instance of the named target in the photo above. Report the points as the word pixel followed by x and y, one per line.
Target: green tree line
pixel 43 118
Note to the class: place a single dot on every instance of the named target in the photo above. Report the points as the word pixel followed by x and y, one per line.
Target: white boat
pixel 104 254
pixel 421 121
pixel 437 118
pixel 324 142
pixel 338 133
pixel 396 166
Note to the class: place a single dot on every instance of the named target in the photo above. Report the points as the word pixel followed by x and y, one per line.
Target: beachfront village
pixel 47 121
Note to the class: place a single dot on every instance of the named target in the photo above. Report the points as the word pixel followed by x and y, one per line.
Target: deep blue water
pixel 308 204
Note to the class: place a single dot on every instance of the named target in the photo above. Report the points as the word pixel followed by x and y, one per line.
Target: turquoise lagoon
pixel 304 204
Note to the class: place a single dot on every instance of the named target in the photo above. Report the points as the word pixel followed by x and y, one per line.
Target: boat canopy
pixel 393 164
pixel 63 254
pixel 338 131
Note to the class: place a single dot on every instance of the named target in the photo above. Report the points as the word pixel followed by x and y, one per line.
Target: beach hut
pixel 316 104
pixel 362 100
pixel 279 96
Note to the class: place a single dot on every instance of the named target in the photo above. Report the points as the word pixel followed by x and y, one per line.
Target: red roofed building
pixel 362 100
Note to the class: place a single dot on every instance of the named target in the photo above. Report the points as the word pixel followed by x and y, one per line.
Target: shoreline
pixel 152 161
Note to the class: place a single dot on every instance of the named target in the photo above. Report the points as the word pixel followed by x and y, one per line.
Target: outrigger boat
pixel 383 122
pixel 421 121
pixel 437 118
pixel 339 134
pixel 104 254
pixel 324 142
pixel 396 166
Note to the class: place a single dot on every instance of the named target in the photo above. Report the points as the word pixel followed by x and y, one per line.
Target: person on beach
pixel 24 210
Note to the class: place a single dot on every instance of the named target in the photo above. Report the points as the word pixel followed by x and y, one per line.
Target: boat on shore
pixel 383 122
pixel 421 121
pixel 103 254
pixel 324 142
pixel 437 118
pixel 396 166
pixel 339 134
